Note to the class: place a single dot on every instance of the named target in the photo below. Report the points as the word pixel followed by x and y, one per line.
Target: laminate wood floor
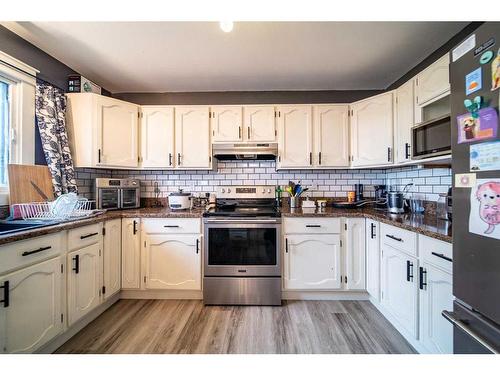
pixel 187 326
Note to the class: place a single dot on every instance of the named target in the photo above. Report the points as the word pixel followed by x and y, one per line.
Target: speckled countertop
pixel 427 225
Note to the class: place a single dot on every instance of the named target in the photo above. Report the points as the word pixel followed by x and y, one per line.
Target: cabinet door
pixel 312 262
pixel 226 123
pixel 331 136
pixel 354 254
pixel 173 262
pixel 192 138
pixel 399 289
pixel 117 133
pixel 436 295
pixel 433 81
pixel 33 316
pixel 404 117
pixel 131 254
pixel 371 131
pixel 112 247
pixel 373 259
pixel 84 281
pixel 259 124
pixel 295 137
pixel 157 137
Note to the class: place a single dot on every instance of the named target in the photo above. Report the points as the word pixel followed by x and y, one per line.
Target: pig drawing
pixel 488 195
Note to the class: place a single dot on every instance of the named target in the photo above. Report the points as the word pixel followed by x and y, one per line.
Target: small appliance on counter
pixel 117 193
pixel 180 201
pixel 380 196
pixel 396 203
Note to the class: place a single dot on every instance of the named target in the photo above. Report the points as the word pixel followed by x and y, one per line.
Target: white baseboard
pixel 324 295
pixel 161 294
pixel 57 341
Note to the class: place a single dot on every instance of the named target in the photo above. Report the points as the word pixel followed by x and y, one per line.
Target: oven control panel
pixel 234 192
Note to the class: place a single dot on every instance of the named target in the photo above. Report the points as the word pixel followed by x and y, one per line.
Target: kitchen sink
pixel 7 227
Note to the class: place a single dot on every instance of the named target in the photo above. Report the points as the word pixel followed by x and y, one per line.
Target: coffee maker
pixel 380 196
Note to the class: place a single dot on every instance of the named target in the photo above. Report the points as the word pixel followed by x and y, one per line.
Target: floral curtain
pixel 50 110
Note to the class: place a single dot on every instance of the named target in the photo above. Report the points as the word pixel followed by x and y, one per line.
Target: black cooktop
pixel 246 209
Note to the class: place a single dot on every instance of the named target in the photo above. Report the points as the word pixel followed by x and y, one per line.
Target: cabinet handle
pixel 394 237
pixel 310 158
pixel 197 246
pixel 442 256
pixel 422 272
pixel 76 258
pixel 6 291
pixel 135 227
pixel 248 132
pixel 99 155
pixel 286 245
pixel 388 154
pixel 169 158
pixel 88 235
pixel 170 226
pixel 313 226
pixel 239 132
pixel 26 253
pixel 372 228
pixel 178 158
pixel 409 271
pixel 319 157
pixel 407 150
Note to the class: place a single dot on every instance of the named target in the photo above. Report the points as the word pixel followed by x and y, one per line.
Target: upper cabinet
pixel 259 124
pixel 157 137
pixel 103 131
pixel 295 136
pixel 404 120
pixel 226 123
pixel 433 81
pixel 331 136
pixel 372 131
pixel 192 138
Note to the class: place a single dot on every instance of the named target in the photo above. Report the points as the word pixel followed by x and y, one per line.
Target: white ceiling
pixel 198 56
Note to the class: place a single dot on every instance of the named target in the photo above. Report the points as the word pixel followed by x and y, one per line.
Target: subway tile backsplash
pixel 322 183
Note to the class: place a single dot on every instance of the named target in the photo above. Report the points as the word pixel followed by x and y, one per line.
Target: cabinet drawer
pixel 312 225
pixel 23 253
pixel 84 236
pixel 436 252
pixel 398 238
pixel 160 226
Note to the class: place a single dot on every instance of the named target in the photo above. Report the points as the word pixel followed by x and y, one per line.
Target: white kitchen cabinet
pixel 84 281
pixel 436 295
pixel 434 81
pixel 312 262
pixel 192 138
pixel 295 136
pixel 399 289
pixel 131 253
pixel 354 254
pixel 331 136
pixel 227 123
pixel 173 261
pixel 112 265
pixel 404 116
pixel 373 258
pixel 259 123
pixel 157 137
pixel 34 314
pixel 372 131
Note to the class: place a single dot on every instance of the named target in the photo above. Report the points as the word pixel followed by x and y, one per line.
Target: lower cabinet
pixel 354 254
pixel 373 258
pixel 112 248
pixel 399 289
pixel 84 281
pixel 312 261
pixel 33 314
pixel 436 288
pixel 173 261
pixel 131 253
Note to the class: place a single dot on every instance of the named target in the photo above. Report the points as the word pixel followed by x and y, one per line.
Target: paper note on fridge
pixel 485 156
pixel 484 217
pixel 472 129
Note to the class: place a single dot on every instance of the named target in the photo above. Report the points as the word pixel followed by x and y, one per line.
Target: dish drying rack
pixel 65 207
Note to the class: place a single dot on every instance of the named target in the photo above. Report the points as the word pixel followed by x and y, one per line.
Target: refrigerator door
pixel 476 258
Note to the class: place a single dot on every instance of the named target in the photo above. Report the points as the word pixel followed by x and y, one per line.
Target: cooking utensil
pixel 39 191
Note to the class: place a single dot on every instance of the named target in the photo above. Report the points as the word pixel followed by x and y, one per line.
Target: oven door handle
pixel 249 221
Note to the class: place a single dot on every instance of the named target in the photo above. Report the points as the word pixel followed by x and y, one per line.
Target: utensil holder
pixel 293 202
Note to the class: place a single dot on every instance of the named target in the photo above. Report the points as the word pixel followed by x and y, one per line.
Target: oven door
pixel 247 247
pixel 108 198
pixel 130 198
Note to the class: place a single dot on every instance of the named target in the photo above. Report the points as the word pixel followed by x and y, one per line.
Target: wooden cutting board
pixel 21 177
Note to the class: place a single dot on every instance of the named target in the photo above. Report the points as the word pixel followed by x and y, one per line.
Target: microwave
pixel 431 138
pixel 117 193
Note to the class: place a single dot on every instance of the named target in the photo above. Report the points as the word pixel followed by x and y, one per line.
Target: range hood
pixel 245 151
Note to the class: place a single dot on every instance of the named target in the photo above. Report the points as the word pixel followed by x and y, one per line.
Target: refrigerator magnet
pixel 485 156
pixel 495 73
pixel 486 57
pixel 473 81
pixel 475 128
pixel 465 180
pixel 484 217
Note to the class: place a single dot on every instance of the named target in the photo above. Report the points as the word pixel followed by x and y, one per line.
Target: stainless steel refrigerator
pixel 475 75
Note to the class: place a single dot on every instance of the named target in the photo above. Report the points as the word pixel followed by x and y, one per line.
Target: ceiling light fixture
pixel 226 26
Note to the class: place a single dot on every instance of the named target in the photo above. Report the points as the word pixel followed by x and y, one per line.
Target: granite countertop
pixel 427 225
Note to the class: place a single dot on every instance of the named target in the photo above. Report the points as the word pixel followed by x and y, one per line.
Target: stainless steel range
pixel 242 264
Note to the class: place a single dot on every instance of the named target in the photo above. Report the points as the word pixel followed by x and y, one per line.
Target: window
pixel 4 131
